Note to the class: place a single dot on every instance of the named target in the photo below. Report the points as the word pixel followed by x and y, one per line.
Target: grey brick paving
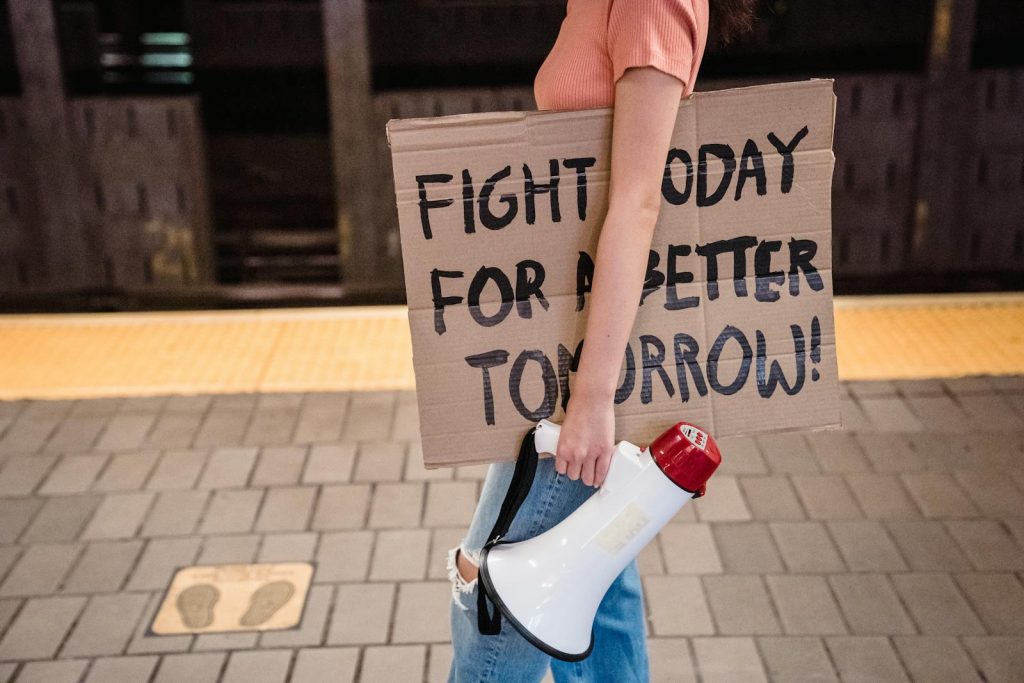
pixel 322 664
pixel 689 548
pixel 40 627
pixel 936 605
pixel 15 515
pixel 174 513
pixel 806 547
pixel 805 605
pixel 722 660
pixel 229 549
pixel 380 461
pixel 286 509
pixel 400 554
pixel 891 551
pixel 126 472
pixel 195 668
pixel 1001 659
pixel 421 615
pixel 279 465
pixel 740 605
pixel 677 606
pixel 53 672
pixel 870 604
pixel 177 469
pixel 228 467
pixel 20 475
pixel 231 511
pixel 73 474
pixel 998 599
pixel 110 669
pixel 105 626
pixel 362 613
pixel 771 498
pixel 160 559
pixel 401 664
pixel 103 567
pixel 396 505
pixel 342 507
pixel 344 556
pixel 268 666
pixel 866 546
pixel 747 548
pixel 329 464
pixel 882 496
pixel 927 546
pixel 670 660
pixel 61 519
pixel 119 515
pixel 936 659
pixel 449 502
pixel 796 660
pixel 299 547
pixel 174 430
pixel 40 570
pixel 866 659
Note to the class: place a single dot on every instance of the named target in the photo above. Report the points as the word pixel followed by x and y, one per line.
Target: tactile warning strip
pixel 919 337
pixel 368 348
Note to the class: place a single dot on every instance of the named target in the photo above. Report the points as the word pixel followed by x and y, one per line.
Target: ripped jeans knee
pixel 461 588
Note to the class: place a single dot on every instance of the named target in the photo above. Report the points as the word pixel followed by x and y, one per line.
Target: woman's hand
pixel 587 438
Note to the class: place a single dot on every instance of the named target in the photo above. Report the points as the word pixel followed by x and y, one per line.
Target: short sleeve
pixel 658 33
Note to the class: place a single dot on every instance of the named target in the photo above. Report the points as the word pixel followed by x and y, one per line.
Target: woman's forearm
pixel 619 269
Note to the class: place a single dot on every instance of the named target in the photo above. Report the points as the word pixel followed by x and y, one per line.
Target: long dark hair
pixel 730 19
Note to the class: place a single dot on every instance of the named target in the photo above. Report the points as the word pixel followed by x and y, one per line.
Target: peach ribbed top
pixel 599 39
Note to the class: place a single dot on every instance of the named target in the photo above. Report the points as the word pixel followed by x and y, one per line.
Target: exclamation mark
pixel 815 347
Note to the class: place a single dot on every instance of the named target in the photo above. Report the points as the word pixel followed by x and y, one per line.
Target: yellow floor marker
pixel 368 348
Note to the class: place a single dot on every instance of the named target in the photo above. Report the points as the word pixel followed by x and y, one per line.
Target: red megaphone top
pixel 687 455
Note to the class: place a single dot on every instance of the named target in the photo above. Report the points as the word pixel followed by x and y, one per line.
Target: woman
pixel 639 57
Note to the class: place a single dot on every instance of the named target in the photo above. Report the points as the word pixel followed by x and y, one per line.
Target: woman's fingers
pixel 574 470
pixel 601 467
pixel 561 465
pixel 587 472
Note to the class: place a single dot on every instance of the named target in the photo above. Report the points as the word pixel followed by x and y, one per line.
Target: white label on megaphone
pixel 623 529
pixel 696 436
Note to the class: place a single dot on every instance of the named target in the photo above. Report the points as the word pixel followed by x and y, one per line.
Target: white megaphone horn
pixel 549 587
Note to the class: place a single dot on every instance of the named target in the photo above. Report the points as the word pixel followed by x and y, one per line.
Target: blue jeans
pixel 620 644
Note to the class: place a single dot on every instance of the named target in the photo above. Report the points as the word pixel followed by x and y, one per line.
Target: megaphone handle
pixel 545 436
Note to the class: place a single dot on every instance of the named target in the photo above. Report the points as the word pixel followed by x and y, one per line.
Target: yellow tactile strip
pixel 917 337
pixel 368 348
pixel 122 354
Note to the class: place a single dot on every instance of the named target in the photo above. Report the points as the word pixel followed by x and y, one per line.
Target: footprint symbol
pixel 265 602
pixel 195 605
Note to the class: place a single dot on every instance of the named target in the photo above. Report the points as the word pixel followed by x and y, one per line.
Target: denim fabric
pixel 620 646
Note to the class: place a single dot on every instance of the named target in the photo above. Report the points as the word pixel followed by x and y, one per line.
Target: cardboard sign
pixel 500 214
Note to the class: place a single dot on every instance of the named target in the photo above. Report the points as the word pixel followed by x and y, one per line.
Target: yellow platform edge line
pixel 70 356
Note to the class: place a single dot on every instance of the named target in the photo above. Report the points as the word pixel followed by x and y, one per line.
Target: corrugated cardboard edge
pixel 497 117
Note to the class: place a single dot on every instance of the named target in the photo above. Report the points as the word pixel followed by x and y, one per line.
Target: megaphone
pixel 549 587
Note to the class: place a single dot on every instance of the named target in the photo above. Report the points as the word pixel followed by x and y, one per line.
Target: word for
pixel 682 358
pixel 530 274
pixel 493 216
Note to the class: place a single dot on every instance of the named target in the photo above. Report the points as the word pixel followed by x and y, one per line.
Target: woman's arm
pixel 646 105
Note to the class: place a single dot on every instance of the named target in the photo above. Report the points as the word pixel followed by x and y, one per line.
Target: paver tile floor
pixel 890 551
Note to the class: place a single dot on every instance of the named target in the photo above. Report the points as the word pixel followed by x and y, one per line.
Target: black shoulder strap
pixel 518 488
